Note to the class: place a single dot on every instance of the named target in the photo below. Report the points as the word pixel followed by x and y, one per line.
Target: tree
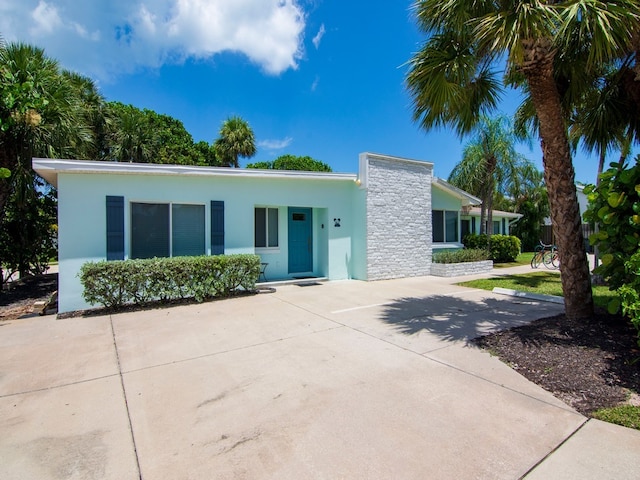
pixel 292 162
pixel 42 114
pixel 144 136
pixel 552 50
pixel 528 196
pixel 130 138
pixel 489 164
pixel 236 140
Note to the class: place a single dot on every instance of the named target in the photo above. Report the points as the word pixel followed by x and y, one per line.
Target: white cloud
pixel 315 83
pixel 46 18
pixel 106 37
pixel 318 38
pixel 275 144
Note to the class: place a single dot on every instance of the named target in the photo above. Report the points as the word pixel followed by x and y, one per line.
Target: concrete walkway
pixel 336 380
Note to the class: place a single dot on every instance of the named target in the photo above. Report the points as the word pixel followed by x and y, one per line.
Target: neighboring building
pixel 456 213
pixel 370 226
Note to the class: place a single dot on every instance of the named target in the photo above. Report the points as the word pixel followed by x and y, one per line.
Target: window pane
pixel 438 226
pixel 149 230
pixel 273 227
pixel 496 227
pixel 465 228
pixel 452 226
pixel 187 223
pixel 260 227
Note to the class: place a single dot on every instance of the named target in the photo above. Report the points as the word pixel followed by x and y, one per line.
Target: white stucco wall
pixel 82 218
pixel 398 221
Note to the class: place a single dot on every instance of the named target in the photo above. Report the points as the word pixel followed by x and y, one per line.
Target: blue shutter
pixel 115 228
pixel 217 227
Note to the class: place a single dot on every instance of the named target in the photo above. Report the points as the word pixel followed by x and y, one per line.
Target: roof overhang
pixel 466 198
pixel 498 213
pixel 49 169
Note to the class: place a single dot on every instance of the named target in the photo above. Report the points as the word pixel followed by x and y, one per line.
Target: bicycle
pixel 547 255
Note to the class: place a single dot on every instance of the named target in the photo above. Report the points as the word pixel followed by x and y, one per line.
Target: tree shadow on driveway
pixel 454 318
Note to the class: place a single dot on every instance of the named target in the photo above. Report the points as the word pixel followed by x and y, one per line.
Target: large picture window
pixel 266 227
pixel 445 226
pixel 163 230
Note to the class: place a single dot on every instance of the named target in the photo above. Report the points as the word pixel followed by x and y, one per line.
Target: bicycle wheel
pixel 536 259
pixel 555 260
pixel 547 259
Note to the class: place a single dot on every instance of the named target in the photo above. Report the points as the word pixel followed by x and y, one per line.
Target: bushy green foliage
pixel 293 162
pixel 117 283
pixel 28 237
pixel 615 207
pixel 504 248
pixel 630 292
pixel 462 255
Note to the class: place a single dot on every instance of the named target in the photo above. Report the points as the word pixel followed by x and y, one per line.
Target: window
pixel 163 230
pixel 496 227
pixel 266 227
pixel 445 226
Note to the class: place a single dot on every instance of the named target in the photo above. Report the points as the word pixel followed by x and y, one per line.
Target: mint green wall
pixel 440 200
pixel 82 218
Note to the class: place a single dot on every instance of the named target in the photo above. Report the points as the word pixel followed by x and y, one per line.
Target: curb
pixel 528 295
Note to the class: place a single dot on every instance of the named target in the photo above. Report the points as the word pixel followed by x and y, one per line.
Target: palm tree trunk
pixel 483 214
pixel 560 179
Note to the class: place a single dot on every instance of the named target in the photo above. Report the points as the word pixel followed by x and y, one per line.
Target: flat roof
pixel 49 168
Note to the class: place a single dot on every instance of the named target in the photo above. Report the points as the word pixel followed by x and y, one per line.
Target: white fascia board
pixel 50 168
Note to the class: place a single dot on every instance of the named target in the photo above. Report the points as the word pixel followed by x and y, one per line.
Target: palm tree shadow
pixel 456 319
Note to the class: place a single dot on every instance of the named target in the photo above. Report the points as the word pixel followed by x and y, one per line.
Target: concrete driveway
pixel 336 380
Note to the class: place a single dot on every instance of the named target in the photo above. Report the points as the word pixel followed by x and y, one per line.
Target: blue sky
pixel 323 78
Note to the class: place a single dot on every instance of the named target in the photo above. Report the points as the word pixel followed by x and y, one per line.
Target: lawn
pixel 543 282
pixel 523 259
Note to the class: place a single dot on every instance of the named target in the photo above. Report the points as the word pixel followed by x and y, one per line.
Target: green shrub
pixel 117 283
pixel 630 292
pixel 461 256
pixel 504 248
pixel 614 205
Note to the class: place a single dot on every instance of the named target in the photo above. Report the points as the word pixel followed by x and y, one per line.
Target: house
pixel 456 213
pixel 370 226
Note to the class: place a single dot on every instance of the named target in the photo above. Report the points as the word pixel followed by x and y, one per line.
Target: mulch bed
pixel 587 364
pixel 18 299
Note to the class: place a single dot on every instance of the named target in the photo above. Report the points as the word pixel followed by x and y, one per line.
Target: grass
pixel 625 415
pixel 543 282
pixel 522 259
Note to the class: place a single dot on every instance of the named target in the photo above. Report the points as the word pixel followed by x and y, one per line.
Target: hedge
pixel 504 248
pixel 462 255
pixel 117 283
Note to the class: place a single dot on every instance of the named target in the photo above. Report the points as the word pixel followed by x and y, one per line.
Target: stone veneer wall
pixel 458 269
pixel 398 205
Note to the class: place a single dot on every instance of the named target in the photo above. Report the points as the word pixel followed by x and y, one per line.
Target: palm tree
pixel 489 161
pixel 551 49
pixel 236 140
pixel 41 112
pixel 130 137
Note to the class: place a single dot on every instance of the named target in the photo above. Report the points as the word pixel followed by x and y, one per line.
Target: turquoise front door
pixel 300 244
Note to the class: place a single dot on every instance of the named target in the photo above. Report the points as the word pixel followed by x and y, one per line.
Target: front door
pixel 300 245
